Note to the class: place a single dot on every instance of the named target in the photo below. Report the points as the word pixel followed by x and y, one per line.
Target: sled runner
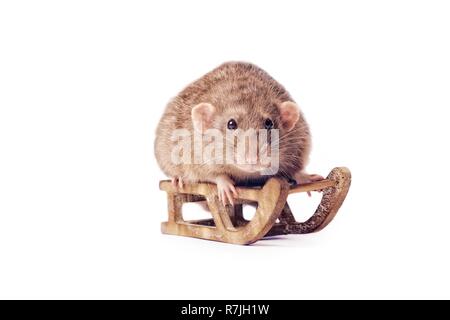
pixel 273 215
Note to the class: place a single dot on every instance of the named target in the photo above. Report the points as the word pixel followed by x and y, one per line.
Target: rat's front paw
pixel 177 182
pixel 304 178
pixel 315 177
pixel 226 190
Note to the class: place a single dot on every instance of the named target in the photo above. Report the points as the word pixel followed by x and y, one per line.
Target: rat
pixel 235 95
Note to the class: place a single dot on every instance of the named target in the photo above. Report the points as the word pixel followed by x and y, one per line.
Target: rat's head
pixel 252 138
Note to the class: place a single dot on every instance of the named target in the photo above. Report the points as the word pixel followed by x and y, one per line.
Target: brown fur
pixel 246 93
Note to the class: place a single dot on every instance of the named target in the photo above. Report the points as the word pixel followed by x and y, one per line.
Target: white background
pixel 83 84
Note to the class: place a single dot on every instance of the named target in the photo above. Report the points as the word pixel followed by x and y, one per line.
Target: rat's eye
pixel 268 124
pixel 232 125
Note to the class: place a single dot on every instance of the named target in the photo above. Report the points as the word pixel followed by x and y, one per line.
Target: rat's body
pixel 234 95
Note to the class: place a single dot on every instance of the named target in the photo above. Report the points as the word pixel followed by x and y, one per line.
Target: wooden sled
pixel 273 215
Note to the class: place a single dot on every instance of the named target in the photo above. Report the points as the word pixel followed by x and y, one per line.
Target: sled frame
pixel 272 217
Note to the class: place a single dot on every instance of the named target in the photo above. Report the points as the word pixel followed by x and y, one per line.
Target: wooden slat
pixel 205 189
pixel 251 194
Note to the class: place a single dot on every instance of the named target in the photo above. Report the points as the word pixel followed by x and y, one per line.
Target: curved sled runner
pixel 273 215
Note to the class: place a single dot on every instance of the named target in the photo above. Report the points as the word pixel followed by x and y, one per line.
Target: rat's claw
pixel 177 182
pixel 180 183
pixel 219 195
pixel 229 196
pixel 234 191
pixel 225 196
pixel 225 190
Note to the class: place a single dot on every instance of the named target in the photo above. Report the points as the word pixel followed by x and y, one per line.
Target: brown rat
pixel 235 95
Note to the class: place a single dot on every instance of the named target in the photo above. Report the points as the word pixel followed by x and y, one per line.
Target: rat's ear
pixel 290 113
pixel 202 116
